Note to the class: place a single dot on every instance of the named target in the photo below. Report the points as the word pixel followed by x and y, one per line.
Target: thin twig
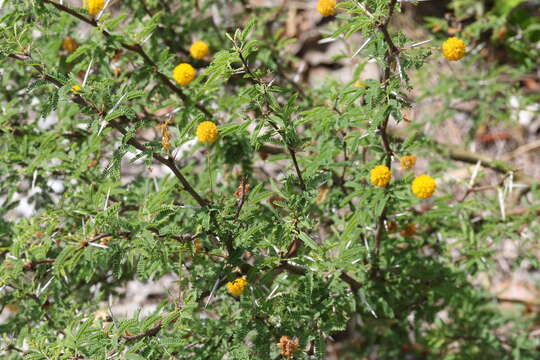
pixel 136 48
pixel 391 53
pixel 117 126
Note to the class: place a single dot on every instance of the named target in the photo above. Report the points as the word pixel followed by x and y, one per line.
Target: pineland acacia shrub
pixel 283 214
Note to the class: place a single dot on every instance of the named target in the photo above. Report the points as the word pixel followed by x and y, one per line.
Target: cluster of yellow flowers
pixel 237 287
pixel 184 73
pixel 423 186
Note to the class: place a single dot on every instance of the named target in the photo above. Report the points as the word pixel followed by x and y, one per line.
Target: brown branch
pixel 153 331
pixel 354 285
pixel 136 48
pixel 242 199
pixel 33 264
pixel 169 162
pixel 259 82
pixel 460 154
pixel 390 52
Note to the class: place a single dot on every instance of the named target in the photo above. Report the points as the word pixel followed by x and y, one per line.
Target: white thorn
pixel 106 200
pixel 501 203
pixel 98 245
pixel 361 6
pixel 363 46
pixel 87 71
pixel 475 173
pixel 416 44
pixel 211 293
pixel 103 10
pixel 272 293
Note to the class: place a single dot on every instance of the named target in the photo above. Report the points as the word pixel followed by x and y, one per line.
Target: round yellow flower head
pixel 184 74
pixel 453 49
pixel 407 162
pixel 326 7
pixel 237 286
pixel 423 186
pixel 94 6
pixel 198 50
pixel 380 175
pixel 69 44
pixel 207 132
pixel 75 89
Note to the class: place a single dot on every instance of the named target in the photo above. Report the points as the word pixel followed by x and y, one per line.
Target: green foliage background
pixel 316 270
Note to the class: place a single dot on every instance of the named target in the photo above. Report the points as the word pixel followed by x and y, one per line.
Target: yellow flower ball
pixel 94 6
pixel 237 287
pixel 75 89
pixel 380 175
pixel 198 50
pixel 207 132
pixel 184 74
pixel 453 49
pixel 407 162
pixel 326 7
pixel 423 186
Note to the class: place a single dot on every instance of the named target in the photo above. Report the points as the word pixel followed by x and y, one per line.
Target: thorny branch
pixel 169 162
pixel 136 48
pixel 257 80
pixel 382 129
pixel 117 125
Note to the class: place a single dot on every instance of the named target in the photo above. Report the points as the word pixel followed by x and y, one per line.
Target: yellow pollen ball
pixel 198 50
pixel 207 132
pixel 184 74
pixel 453 49
pixel 423 186
pixel 407 162
pixel 380 175
pixel 326 7
pixel 75 89
pixel 94 6
pixel 237 286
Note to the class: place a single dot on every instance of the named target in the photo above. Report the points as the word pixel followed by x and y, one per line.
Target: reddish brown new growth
pixel 274 199
pixel 287 346
pixel 239 193
pixel 165 135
